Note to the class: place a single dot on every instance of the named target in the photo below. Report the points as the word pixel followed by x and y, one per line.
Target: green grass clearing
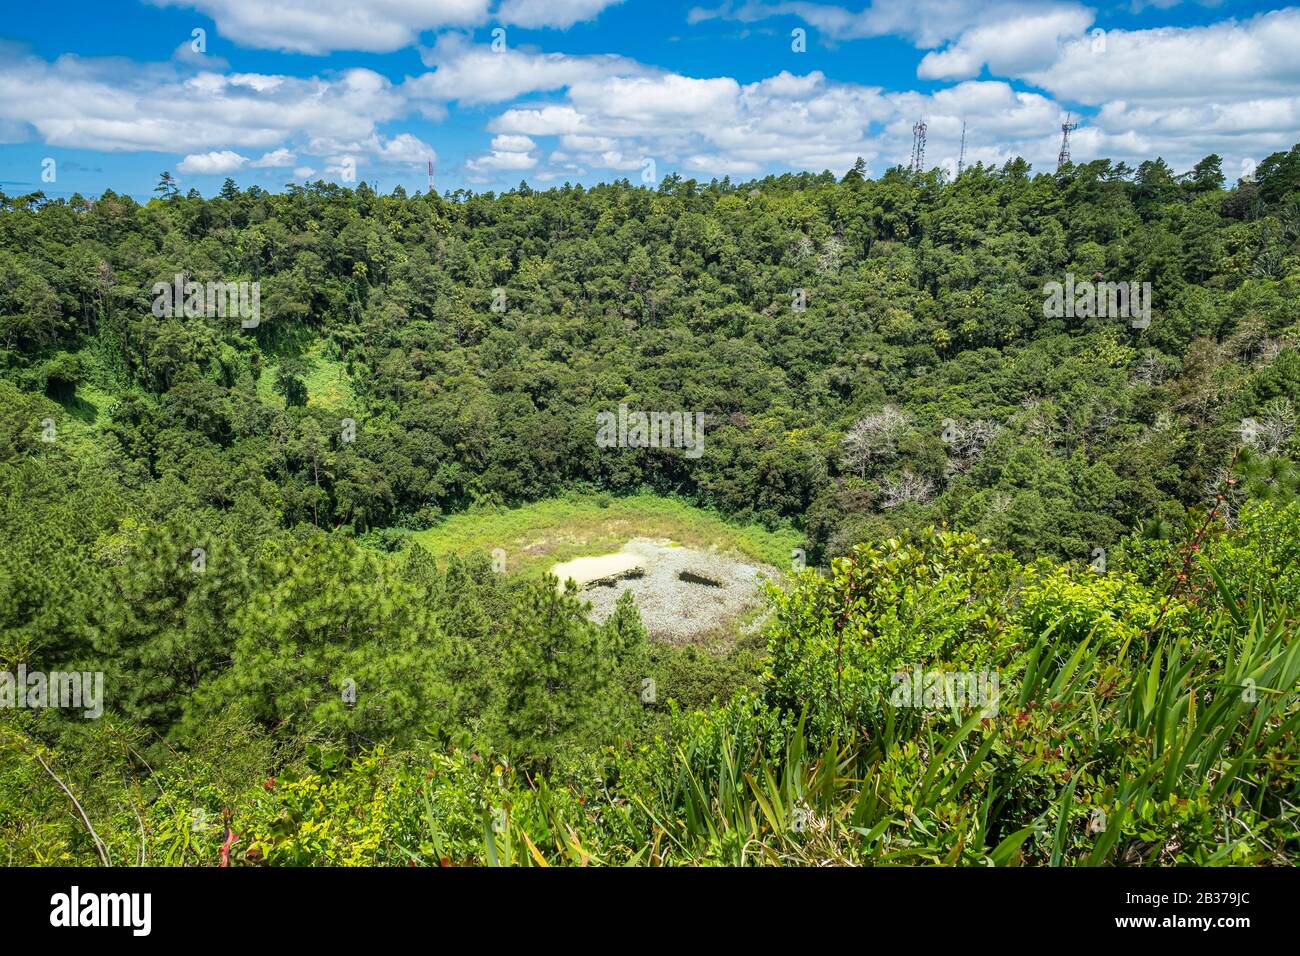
pixel 328 385
pixel 538 535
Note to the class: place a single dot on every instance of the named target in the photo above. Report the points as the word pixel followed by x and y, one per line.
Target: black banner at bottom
pixel 334 906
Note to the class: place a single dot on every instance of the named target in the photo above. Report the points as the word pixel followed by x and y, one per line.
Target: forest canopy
pixel 219 513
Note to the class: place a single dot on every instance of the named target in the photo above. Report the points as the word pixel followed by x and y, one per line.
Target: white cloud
pixel 319 26
pixel 927 23
pixel 550 13
pixel 475 73
pixel 1007 47
pixel 113 104
pixel 1223 62
pixel 539 121
pixel 667 101
pixel 501 160
pixel 588 144
pixel 275 158
pixel 715 164
pixel 513 144
pixel 402 148
pixel 1007 36
pixel 374 26
pixel 212 164
pixel 186 54
pixel 510 152
pixel 1231 87
pixel 717 123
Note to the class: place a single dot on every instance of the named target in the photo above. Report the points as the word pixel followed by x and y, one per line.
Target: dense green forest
pixel 225 519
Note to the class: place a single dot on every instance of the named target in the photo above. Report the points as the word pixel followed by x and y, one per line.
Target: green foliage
pixel 838 638
pixel 566 679
pixel 272 541
pixel 332 643
pixel 922 296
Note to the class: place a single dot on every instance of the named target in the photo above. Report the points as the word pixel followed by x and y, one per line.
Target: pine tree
pixel 557 677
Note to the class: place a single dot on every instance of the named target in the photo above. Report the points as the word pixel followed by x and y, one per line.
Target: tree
pixel 1207 175
pixel 873 439
pixel 167 187
pixel 289 381
pixel 1279 175
pixel 560 686
pixel 330 643
pixel 857 173
pixel 164 621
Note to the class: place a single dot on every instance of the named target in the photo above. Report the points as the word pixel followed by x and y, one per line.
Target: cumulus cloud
pixel 319 26
pixel 927 23
pixel 539 121
pixel 1225 61
pixel 113 104
pixel 374 26
pixel 712 165
pixel 402 148
pixel 804 122
pixel 719 127
pixel 588 144
pixel 666 102
pixel 511 152
pixel 550 13
pixel 274 159
pixel 514 144
pixel 1008 47
pixel 1180 92
pixel 475 73
pixel 1229 87
pixel 1008 37
pixel 501 159
pixel 212 164
pixel 186 54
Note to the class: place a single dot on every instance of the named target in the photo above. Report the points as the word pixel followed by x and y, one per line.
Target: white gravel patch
pixel 605 567
pixel 681 593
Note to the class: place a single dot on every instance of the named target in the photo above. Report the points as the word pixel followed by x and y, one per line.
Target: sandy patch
pixel 588 571
pixel 681 593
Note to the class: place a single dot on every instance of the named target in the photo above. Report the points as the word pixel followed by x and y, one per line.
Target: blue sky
pixel 99 95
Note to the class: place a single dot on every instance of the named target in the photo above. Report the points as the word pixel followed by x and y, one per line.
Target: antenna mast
pixel 918 146
pixel 430 177
pixel 1066 129
pixel 961 156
